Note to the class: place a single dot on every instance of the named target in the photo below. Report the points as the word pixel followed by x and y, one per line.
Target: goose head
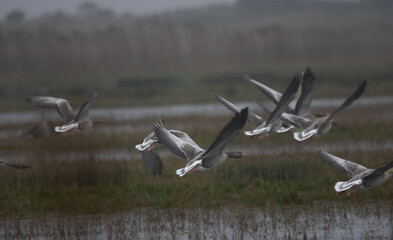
pixel 235 154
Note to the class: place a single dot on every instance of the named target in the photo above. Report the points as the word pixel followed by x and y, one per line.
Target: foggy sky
pixel 33 8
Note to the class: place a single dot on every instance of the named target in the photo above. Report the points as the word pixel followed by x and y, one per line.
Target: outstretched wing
pixel 303 104
pixel 83 113
pixel 359 91
pixel 286 98
pixel 179 146
pixel 152 161
pixel 346 167
pixel 291 119
pixel 379 171
pixel 252 117
pixel 230 131
pixel 269 92
pixel 61 105
pixel 13 165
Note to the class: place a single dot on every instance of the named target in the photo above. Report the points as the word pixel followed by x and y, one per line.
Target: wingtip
pixel 360 90
pixel 320 148
pixel 364 84
pixel 297 78
pixel 308 71
pixel 159 124
pixel 308 74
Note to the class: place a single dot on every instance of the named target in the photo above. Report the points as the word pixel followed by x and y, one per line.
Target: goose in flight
pixel 198 159
pixel 361 178
pixel 13 165
pixel 148 150
pixel 81 121
pixel 303 104
pixel 253 118
pixel 273 123
pixel 322 125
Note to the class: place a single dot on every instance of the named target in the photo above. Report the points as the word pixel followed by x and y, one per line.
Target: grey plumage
pixel 13 165
pixel 361 178
pixel 322 125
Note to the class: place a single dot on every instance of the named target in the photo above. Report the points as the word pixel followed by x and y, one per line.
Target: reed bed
pixel 326 220
pixel 90 186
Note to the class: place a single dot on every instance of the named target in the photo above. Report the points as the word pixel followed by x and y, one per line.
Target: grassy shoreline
pixel 89 186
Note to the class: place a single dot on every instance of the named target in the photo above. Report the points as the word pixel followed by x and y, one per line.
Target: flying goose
pixel 361 177
pixel 81 121
pixel 322 125
pixel 273 123
pixel 303 104
pixel 148 150
pixel 253 118
pixel 292 121
pixel 13 165
pixel 198 159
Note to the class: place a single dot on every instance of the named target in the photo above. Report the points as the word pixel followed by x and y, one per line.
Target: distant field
pixel 186 88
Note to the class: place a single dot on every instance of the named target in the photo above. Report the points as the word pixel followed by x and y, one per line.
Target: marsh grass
pixel 85 184
pixel 90 186
pixel 327 220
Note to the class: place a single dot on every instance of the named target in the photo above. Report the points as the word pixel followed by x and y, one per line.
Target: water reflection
pixel 319 221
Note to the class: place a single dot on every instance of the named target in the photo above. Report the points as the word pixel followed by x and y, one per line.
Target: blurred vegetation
pixel 184 57
pixel 89 186
pixel 178 57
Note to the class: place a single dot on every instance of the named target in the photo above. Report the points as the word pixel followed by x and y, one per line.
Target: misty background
pixel 127 49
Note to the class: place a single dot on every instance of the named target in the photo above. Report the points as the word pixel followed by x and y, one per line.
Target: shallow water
pixel 251 149
pixel 342 220
pixel 213 109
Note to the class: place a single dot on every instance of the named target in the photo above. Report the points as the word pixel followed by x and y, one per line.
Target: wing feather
pixel 62 106
pixel 269 92
pixel 230 131
pixel 83 113
pixel 286 98
pixel 179 146
pixel 346 167
pixel 359 91
pixel 152 162
pixel 13 165
pixel 252 117
pixel 303 104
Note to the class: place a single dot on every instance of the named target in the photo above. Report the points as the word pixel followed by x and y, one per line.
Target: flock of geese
pixel 283 117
